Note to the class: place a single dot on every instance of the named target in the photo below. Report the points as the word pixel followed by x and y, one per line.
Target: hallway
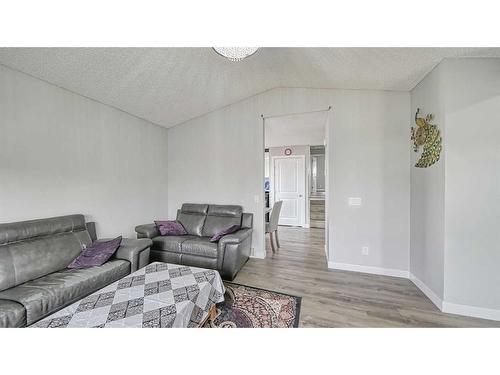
pixel 333 298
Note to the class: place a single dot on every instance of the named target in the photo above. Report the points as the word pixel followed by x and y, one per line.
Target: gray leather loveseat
pixel 34 280
pixel 201 222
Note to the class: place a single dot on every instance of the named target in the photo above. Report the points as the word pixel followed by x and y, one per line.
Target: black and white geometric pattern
pixel 158 295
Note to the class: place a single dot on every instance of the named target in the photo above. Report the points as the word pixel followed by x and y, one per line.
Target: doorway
pixel 296 178
pixel 317 206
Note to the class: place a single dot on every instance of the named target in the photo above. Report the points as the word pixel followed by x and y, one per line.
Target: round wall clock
pixel 288 151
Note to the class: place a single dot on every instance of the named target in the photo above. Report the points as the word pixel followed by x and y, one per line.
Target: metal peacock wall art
pixel 427 136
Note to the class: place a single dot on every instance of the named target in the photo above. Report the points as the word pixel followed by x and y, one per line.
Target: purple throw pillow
pixel 170 228
pixel 222 233
pixel 96 254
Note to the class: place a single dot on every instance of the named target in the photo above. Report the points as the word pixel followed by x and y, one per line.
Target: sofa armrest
pixel 233 251
pixel 147 231
pixel 134 251
pixel 235 238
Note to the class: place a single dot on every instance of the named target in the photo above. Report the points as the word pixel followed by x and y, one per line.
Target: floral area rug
pixel 249 307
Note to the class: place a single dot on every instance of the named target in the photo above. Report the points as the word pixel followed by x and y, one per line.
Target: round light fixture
pixel 235 53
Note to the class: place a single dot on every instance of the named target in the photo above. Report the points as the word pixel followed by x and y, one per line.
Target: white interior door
pixel 290 187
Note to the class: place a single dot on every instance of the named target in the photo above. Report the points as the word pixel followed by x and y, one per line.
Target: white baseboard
pixel 455 308
pixel 467 310
pixel 258 256
pixel 369 269
pixel 427 291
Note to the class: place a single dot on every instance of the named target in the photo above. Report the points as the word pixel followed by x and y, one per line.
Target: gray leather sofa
pixel 34 280
pixel 202 221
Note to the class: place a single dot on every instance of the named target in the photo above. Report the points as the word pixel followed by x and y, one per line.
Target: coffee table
pixel 158 295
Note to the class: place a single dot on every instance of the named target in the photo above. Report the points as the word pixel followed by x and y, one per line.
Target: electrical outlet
pixel 365 250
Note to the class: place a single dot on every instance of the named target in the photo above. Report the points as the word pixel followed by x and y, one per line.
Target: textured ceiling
pixel 171 85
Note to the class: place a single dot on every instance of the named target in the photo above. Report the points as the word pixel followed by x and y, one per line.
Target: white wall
pixel 61 153
pixel 302 129
pixel 472 252
pixel 368 158
pixel 219 158
pixel 455 204
pixel 427 192
pixel 267 173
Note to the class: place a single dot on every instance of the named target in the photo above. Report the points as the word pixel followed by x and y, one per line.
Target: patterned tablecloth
pixel 158 295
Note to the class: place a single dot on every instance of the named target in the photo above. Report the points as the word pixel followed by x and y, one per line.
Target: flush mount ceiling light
pixel 235 53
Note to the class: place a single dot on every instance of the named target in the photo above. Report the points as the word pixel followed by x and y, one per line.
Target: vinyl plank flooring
pixel 334 298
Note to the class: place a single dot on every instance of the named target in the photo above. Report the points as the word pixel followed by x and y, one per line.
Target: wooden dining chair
pixel 272 225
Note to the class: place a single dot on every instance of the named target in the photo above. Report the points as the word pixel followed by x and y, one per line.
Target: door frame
pixel 328 177
pixel 272 159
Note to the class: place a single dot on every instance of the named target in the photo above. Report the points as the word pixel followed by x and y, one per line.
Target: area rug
pixel 249 307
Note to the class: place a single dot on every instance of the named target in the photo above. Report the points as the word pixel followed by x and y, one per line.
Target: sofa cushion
pixel 45 295
pixel 35 248
pixel 165 257
pixel 200 246
pixel 12 314
pixel 192 217
pixel 170 243
pixel 221 217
